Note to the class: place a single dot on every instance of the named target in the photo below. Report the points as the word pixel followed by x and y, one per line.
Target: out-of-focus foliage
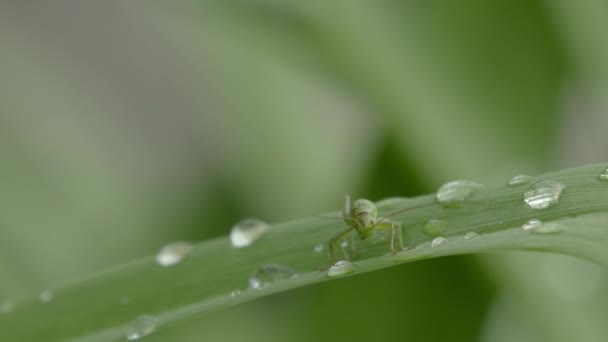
pixel 125 125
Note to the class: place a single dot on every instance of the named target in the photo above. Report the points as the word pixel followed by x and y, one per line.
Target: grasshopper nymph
pixel 362 217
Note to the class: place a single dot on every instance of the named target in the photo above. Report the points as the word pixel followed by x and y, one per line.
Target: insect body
pixel 362 217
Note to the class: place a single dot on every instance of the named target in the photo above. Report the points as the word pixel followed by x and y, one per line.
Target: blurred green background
pixel 127 124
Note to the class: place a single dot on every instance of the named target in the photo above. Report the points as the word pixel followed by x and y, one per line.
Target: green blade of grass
pixel 95 309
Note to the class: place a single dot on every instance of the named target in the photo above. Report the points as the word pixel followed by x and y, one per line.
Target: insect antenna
pixel 335 218
pixel 406 209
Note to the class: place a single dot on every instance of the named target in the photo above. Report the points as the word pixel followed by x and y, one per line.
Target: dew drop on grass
pixel 470 235
pixel 319 248
pixel 543 194
pixel 268 274
pixel 46 296
pixel 604 175
pixel 519 180
pixel 235 293
pixel 439 241
pixel 341 268
pixel 453 193
pixel 246 232
pixel 142 326
pixel 549 228
pixel 173 253
pixel 434 228
pixel 344 243
pixel 535 226
pixel 531 224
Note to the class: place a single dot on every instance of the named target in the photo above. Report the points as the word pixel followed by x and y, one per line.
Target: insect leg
pixel 395 229
pixel 353 247
pixel 334 241
pixel 400 235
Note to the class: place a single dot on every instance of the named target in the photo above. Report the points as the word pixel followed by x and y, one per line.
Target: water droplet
pixel 246 231
pixel 604 175
pixel 341 268
pixel 538 227
pixel 344 243
pixel 548 228
pixel 470 235
pixel 435 228
pixel 173 253
pixel 531 224
pixel 439 241
pixel 46 296
pixel 270 273
pixel 142 326
pixel 543 194
pixel 453 193
pixel 319 247
pixel 519 180
pixel 235 293
pixel 7 306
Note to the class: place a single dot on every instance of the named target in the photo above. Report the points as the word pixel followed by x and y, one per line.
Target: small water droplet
pixel 453 193
pixel 543 194
pixel 344 243
pixel 142 326
pixel 341 268
pixel 235 293
pixel 531 224
pixel 470 235
pixel 173 253
pixel 268 274
pixel 434 228
pixel 7 306
pixel 519 180
pixel 604 175
pixel 439 241
pixel 246 231
pixel 319 247
pixel 536 226
pixel 46 296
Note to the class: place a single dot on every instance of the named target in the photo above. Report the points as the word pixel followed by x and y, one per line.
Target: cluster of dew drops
pixel 539 195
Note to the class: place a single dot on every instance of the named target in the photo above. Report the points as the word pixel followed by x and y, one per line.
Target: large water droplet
pixel 434 228
pixel 470 235
pixel 46 296
pixel 531 224
pixel 452 194
pixel 519 180
pixel 142 326
pixel 543 194
pixel 604 175
pixel 341 268
pixel 268 274
pixel 319 247
pixel 173 253
pixel 439 241
pixel 246 231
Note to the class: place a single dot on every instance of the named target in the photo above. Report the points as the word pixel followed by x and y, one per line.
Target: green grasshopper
pixel 362 217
